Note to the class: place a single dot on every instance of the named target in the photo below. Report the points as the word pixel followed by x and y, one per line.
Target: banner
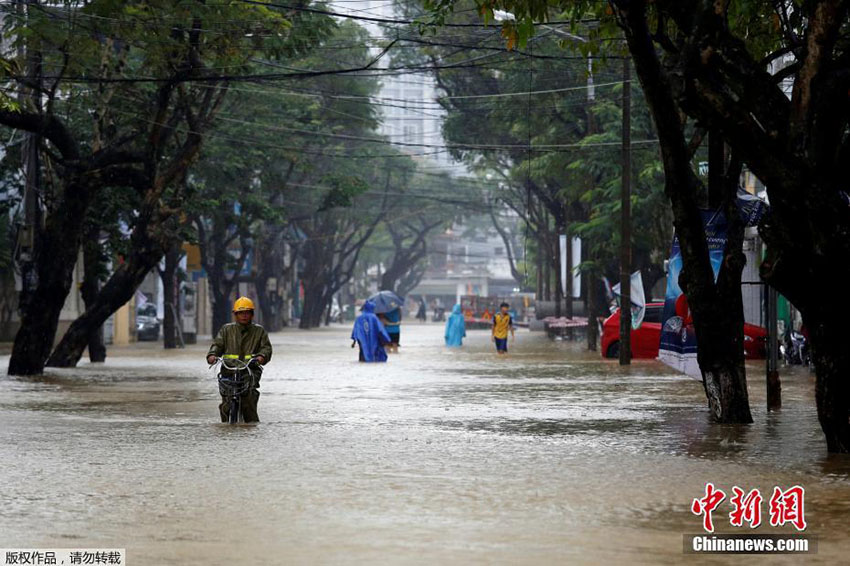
pixel 678 347
pixel 576 275
pixel 636 298
pixel 751 208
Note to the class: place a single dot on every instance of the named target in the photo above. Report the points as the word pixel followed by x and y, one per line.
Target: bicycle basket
pixel 235 381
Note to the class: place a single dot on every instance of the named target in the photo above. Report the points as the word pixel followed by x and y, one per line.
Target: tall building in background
pixel 410 112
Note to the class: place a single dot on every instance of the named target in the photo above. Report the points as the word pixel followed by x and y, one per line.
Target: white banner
pixel 576 250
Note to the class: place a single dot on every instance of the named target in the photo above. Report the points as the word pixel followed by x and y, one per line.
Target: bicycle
pixel 235 378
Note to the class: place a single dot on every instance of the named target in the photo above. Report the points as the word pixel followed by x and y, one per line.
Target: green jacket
pixel 241 342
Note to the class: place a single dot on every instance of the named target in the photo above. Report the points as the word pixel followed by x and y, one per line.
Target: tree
pixel 421 204
pixel 170 277
pixel 301 195
pixel 531 119
pixel 409 248
pixel 726 65
pixel 334 236
pixel 142 133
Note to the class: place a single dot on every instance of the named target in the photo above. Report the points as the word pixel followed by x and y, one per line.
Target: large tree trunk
pixel 41 299
pixel 170 287
pixel 831 356
pixel 90 287
pixel 315 304
pixel 716 307
pixel 316 278
pixel 801 270
pixel 720 339
pixel 147 248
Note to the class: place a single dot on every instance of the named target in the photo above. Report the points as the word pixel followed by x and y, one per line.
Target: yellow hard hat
pixel 243 304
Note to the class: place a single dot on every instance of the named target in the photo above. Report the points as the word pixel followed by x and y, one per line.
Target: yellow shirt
pixel 501 325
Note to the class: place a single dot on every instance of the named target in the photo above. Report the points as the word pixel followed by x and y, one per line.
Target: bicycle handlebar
pixel 240 365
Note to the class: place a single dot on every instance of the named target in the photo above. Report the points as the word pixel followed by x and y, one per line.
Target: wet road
pixel 549 455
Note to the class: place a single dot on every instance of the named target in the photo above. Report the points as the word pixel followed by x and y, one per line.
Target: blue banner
pixel 678 347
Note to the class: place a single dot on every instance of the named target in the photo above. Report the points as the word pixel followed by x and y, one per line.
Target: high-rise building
pixel 411 116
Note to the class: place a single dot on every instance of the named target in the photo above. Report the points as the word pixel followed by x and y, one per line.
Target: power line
pixel 394 20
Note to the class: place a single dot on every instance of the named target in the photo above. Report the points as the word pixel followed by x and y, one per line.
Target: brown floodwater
pixel 549 455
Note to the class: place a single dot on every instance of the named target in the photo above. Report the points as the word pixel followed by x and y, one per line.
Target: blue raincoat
pixel 455 328
pixel 370 335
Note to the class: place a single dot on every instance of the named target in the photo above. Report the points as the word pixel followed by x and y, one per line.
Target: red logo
pixel 713 498
pixel 746 508
pixel 788 507
pixel 785 507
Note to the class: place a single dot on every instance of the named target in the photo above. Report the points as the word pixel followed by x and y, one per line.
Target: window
pixel 499 251
pixel 653 313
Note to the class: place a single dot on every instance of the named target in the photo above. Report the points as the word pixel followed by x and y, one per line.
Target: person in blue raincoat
pixel 455 328
pixel 369 333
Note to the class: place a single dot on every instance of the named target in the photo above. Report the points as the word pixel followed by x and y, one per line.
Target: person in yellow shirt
pixel 502 323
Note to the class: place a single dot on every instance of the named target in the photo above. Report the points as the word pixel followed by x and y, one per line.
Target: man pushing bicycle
pixel 247 344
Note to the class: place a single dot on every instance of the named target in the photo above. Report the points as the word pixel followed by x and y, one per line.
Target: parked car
pixel 147 324
pixel 645 339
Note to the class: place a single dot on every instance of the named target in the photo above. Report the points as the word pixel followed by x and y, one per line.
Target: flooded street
pixel 549 455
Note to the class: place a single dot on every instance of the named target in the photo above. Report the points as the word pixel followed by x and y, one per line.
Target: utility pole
pixel 558 269
pixel 774 387
pixel 539 260
pixel 29 98
pixel 591 277
pixel 625 223
pixel 568 272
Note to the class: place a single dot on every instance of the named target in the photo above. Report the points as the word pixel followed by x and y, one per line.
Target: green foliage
pixel 538 96
pixel 341 191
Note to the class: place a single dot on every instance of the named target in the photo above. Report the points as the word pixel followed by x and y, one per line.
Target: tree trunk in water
pixel 832 389
pixel 90 288
pixel 42 300
pixel 169 291
pixel 117 291
pixel 314 307
pixel 715 305
pixel 721 359
pixel 38 327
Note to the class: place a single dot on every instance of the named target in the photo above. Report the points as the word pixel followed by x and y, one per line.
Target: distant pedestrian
pixel 370 335
pixel 502 323
pixel 422 313
pixel 455 328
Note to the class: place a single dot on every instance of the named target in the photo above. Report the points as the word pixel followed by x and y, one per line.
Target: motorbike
pixel 795 349
pixel 235 378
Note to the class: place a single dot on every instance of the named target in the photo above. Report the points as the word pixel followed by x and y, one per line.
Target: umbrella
pixel 386 301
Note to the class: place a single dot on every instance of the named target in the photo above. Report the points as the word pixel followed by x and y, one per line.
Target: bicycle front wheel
pixel 234 410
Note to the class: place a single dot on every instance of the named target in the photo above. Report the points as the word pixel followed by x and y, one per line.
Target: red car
pixel 645 339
